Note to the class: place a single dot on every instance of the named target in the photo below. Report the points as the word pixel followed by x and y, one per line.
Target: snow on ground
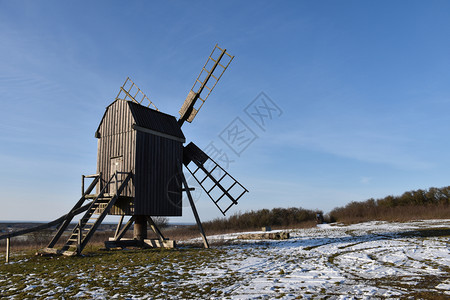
pixel 373 259
pixel 362 261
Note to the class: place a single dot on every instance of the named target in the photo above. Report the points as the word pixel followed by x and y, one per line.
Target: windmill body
pixel 149 144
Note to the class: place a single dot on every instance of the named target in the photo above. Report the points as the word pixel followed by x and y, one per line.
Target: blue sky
pixel 361 86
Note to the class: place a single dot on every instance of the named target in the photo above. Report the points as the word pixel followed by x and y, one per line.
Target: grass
pixel 141 273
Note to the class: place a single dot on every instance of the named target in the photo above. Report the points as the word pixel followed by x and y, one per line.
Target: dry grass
pixel 39 240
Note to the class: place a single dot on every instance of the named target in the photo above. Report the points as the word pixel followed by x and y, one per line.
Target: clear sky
pixel 361 91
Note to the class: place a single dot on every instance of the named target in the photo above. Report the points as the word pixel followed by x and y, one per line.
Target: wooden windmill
pixel 139 166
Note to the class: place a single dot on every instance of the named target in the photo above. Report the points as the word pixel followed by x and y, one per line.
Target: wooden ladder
pixel 88 224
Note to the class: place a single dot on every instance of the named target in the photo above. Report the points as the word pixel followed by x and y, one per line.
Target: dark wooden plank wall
pixel 154 160
pixel 157 163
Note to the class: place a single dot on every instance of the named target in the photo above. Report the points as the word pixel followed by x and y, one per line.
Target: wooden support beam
pixel 124 229
pixel 143 244
pixel 47 225
pixel 156 230
pixel 82 185
pixel 170 244
pixel 157 133
pixel 140 228
pixel 8 248
pixel 194 210
pixel 154 227
pixel 79 237
pixel 118 226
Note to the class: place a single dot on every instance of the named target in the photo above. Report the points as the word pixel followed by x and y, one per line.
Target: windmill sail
pixel 130 91
pixel 216 64
pixel 218 184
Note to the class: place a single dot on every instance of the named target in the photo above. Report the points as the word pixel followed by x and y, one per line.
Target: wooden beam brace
pixel 124 229
pixel 156 230
pixel 157 133
pixel 194 210
pixel 47 225
pixel 79 237
pixel 8 248
pixel 118 226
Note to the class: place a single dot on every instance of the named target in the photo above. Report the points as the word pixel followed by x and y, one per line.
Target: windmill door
pixel 116 166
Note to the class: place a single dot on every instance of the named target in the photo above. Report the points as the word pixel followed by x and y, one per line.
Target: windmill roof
pixel 155 120
pixel 150 119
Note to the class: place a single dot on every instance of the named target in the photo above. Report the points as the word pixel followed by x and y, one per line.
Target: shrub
pixel 431 203
pixel 277 217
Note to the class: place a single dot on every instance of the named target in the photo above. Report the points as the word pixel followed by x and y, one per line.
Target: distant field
pixel 366 260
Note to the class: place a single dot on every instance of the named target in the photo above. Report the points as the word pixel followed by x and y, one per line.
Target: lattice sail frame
pixel 130 91
pixel 214 180
pixel 211 72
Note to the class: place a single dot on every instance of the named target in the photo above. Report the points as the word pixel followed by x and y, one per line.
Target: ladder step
pixel 69 253
pixel 50 250
pixel 89 221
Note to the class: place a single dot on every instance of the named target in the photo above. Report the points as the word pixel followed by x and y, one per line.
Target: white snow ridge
pixel 360 261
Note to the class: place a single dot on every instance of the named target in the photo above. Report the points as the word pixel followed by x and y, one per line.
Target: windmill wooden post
pixel 8 249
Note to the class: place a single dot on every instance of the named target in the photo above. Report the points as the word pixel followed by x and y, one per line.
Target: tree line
pixel 428 203
pixel 255 219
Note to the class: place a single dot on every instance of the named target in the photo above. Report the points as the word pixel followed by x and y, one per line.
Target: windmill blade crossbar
pixel 214 180
pixel 129 91
pixel 216 64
